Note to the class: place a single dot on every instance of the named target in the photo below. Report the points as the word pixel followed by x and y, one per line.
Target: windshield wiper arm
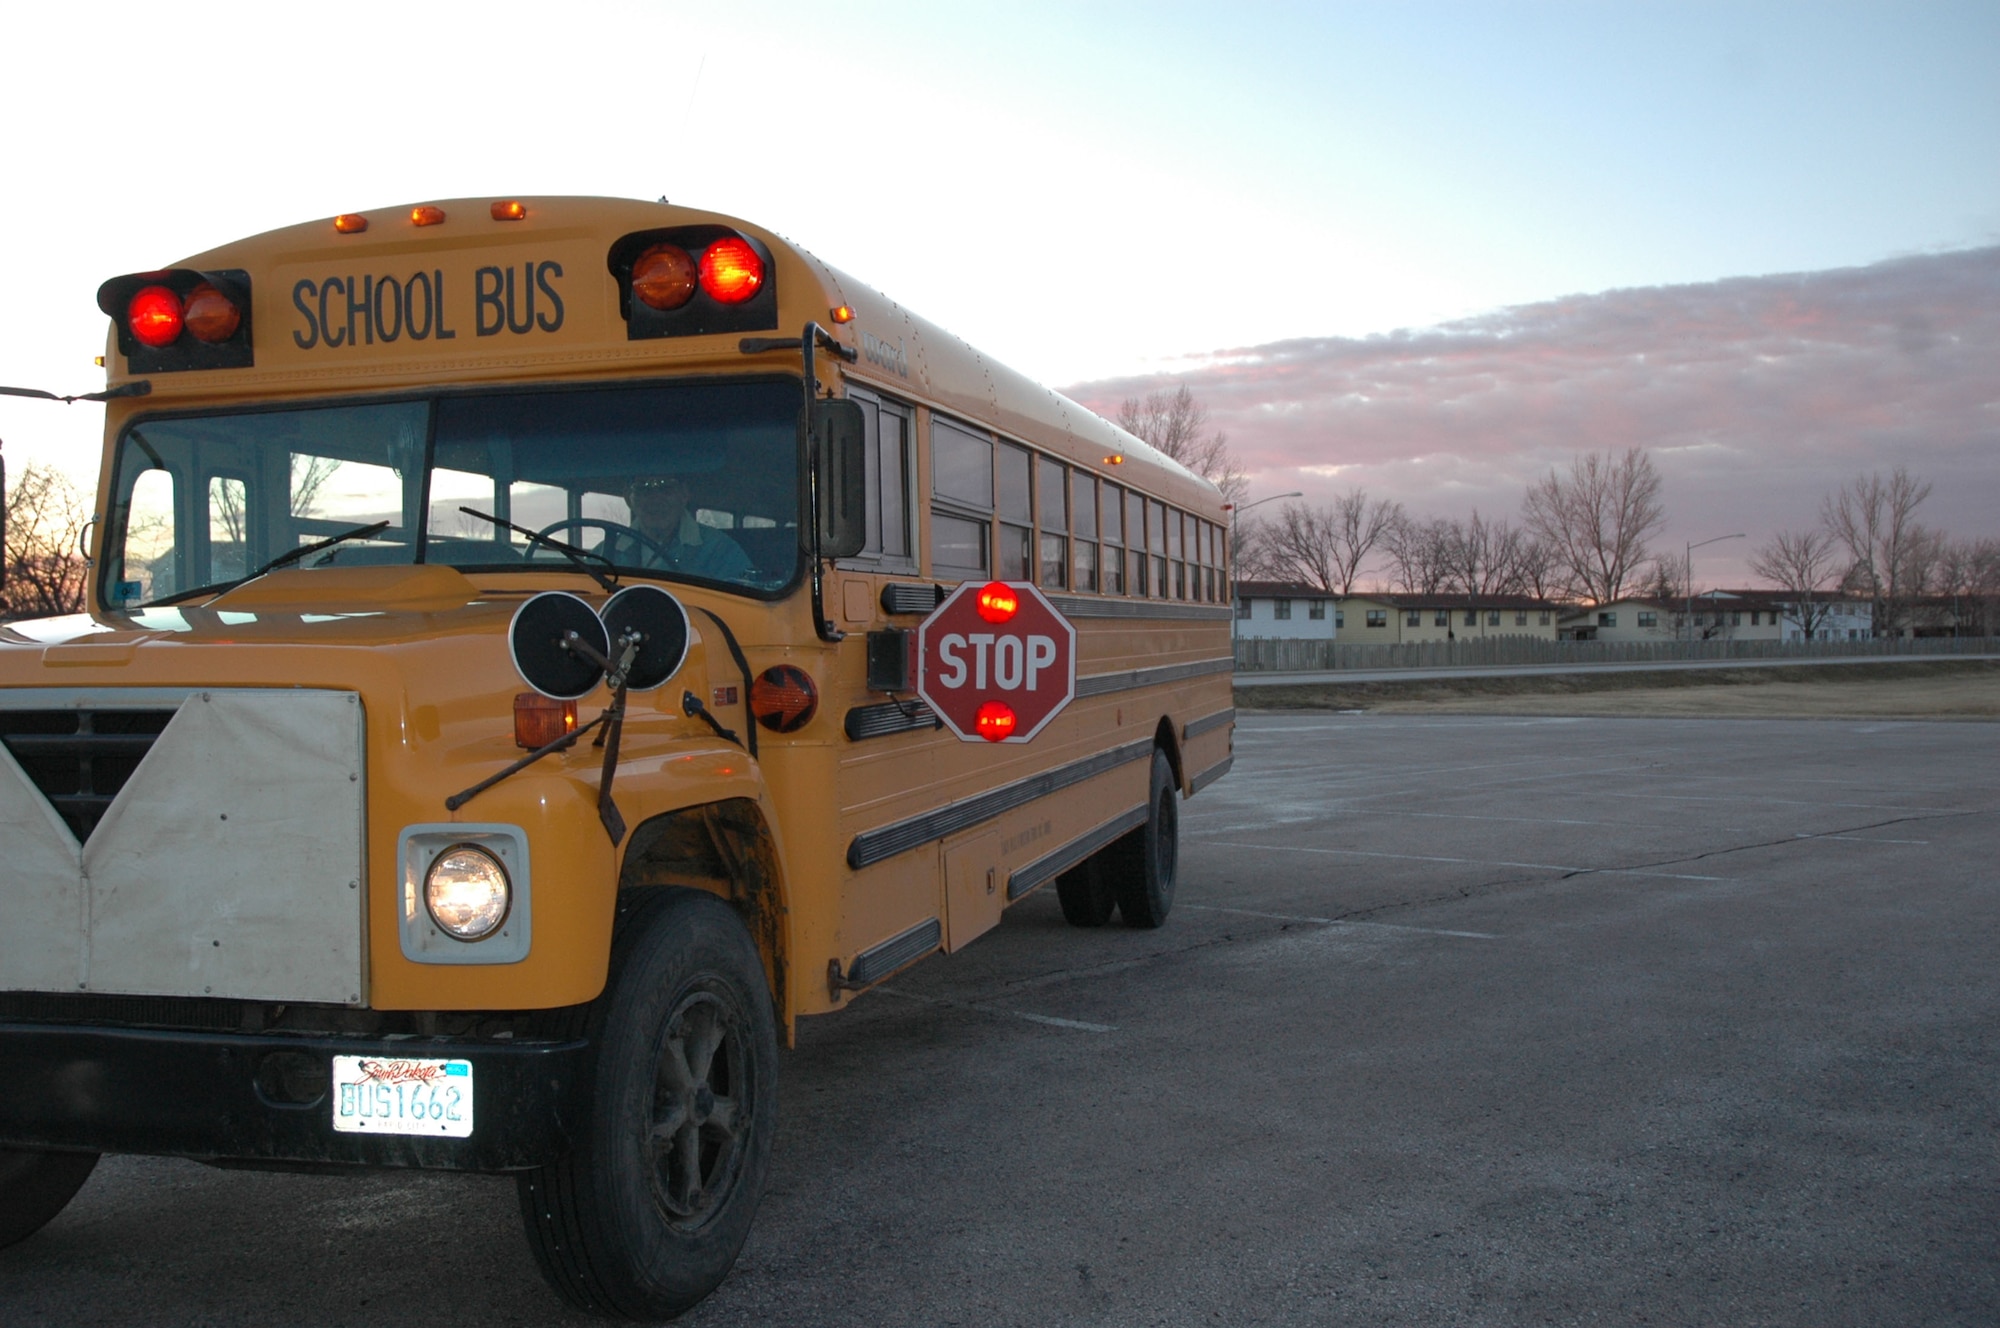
pixel 290 556
pixel 581 557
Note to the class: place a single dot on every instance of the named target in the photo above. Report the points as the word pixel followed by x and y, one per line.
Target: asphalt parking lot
pixel 1459 1020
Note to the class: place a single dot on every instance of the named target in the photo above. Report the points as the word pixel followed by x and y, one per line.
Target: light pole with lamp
pixel 1687 590
pixel 1235 511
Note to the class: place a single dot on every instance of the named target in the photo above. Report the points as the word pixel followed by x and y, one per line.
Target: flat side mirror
pixel 840 441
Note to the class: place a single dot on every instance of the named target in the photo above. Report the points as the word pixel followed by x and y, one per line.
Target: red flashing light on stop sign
pixel 996 721
pixel 997 602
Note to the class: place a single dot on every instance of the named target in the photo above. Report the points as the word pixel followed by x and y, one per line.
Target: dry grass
pixel 1917 689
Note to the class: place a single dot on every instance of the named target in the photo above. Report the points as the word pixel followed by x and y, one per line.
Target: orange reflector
pixel 426 215
pixel 511 210
pixel 350 223
pixel 783 698
pixel 731 271
pixel 154 315
pixel 212 316
pixel 995 721
pixel 540 720
pixel 663 277
pixel 997 602
pixel 840 313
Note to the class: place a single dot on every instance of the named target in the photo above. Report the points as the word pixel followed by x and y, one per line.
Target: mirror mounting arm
pixel 809 339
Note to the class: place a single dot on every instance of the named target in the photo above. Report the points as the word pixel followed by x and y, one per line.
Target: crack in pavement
pixel 1792 839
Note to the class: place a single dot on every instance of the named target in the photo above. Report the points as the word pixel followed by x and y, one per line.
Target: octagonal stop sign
pixel 996 661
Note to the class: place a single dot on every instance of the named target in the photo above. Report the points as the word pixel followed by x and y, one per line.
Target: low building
pixel 1395 619
pixel 1718 615
pixel 1285 611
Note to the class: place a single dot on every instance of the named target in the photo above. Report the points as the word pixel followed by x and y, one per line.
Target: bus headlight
pixel 467 893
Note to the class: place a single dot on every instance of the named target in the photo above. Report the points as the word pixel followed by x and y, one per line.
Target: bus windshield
pixel 694 482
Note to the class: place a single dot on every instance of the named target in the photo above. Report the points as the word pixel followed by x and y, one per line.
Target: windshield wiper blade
pixel 282 560
pixel 581 557
pixel 290 556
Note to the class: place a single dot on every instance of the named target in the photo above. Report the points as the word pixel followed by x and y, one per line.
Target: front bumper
pixel 248 1098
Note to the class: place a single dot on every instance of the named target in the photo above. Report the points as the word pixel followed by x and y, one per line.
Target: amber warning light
pixel 540 720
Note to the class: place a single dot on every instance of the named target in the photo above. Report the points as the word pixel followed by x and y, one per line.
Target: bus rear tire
pixel 646 1214
pixel 1087 894
pixel 35 1186
pixel 1144 862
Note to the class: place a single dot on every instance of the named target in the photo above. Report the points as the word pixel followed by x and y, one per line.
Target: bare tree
pixel 1802 563
pixel 1177 424
pixel 1328 545
pixel 1540 567
pixel 1483 557
pixel 1420 554
pixel 1875 521
pixel 1598 519
pixel 46 514
pixel 1662 579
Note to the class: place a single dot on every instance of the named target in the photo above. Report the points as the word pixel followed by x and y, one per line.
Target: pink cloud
pixel 1754 395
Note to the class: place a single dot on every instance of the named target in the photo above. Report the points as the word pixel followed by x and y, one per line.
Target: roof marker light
pixel 731 271
pixel 510 210
pixel 155 317
pixel 426 215
pixel 1115 459
pixel 840 313
pixel 350 223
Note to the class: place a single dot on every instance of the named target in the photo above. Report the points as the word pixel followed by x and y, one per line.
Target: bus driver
pixel 674 541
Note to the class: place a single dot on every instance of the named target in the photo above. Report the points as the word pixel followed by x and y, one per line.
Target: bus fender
pixel 1167 738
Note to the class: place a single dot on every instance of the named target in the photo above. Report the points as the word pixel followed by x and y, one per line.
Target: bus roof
pixel 455 291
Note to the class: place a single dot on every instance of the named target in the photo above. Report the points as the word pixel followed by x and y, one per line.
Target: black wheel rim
pixel 702 1109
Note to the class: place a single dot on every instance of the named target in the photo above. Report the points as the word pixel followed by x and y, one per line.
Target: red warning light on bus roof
pixel 155 316
pixel 731 271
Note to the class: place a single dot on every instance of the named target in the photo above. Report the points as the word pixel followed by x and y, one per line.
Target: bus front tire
pixel 646 1214
pixel 35 1186
pixel 1143 863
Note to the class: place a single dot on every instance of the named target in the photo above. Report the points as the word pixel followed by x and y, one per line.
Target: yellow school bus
pixel 501 711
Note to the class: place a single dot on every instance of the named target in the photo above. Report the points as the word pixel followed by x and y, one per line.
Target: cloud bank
pixel 1754 396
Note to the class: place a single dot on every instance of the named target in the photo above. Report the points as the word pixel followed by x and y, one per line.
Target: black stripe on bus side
pixel 1097 684
pixel 876 721
pixel 1210 775
pixel 1076 606
pixel 879 961
pixel 1200 726
pixel 1046 868
pixel 873 846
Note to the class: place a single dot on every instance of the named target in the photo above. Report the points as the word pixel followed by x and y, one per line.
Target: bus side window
pixel 1016 509
pixel 961 501
pixel 1055 524
pixel 886 460
pixel 1114 539
pixel 150 561
pixel 1137 581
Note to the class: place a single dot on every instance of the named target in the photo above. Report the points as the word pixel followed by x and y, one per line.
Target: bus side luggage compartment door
pixel 973 889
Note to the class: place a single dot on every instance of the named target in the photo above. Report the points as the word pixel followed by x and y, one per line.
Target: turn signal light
pixel 155 316
pixel 540 720
pixel 783 698
pixel 212 316
pixel 997 602
pixel 731 271
pixel 350 223
pixel 664 276
pixel 426 215
pixel 995 721
pixel 510 210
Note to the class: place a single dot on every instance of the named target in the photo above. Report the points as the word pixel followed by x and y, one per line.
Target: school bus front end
pixel 493 726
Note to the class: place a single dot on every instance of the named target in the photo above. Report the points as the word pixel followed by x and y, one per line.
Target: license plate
pixel 389 1095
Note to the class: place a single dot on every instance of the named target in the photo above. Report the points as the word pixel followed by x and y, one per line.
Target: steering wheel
pixel 612 530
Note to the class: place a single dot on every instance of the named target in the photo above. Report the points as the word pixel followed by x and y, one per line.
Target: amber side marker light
pixel 783 698
pixel 211 316
pixel 155 317
pixel 840 313
pixel 995 721
pixel 997 602
pixel 510 210
pixel 350 223
pixel 1115 459
pixel 426 215
pixel 540 720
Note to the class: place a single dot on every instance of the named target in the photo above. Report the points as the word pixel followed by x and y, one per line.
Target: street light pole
pixel 1687 588
pixel 1235 511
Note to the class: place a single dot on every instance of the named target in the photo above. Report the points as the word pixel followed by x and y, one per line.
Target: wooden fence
pixel 1276 656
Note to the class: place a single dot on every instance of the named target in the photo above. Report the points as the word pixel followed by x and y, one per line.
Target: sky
pixel 1271 202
